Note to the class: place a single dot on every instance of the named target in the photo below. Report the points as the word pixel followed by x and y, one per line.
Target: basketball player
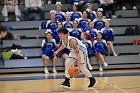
pixel 78 52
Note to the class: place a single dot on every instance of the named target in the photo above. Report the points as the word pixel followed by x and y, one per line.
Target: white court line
pixel 115 86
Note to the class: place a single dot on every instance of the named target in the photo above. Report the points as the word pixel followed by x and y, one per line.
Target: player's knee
pixel 46 58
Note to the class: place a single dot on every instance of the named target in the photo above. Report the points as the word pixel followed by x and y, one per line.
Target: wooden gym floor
pixel 109 81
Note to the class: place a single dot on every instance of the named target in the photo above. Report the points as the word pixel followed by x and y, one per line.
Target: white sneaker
pixel 105 64
pixel 54 70
pixel 134 7
pixel 6 19
pixel 17 19
pixel 113 16
pixel 115 54
pixel 123 8
pixel 100 69
pixel 46 71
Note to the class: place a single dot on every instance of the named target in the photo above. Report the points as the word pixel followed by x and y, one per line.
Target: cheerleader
pixel 86 39
pixel 51 24
pixel 75 32
pixel 48 49
pixel 75 14
pixel 93 14
pixel 100 49
pixel 67 23
pixel 56 33
pixel 109 37
pixel 91 31
pixel 84 20
pixel 99 22
pixel 60 16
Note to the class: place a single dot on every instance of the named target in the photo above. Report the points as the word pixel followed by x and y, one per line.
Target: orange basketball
pixel 73 71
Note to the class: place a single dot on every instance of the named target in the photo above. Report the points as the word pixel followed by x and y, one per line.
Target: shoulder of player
pixel 43 40
pixel 95 41
pixel 53 40
pixel 104 41
pixel 73 40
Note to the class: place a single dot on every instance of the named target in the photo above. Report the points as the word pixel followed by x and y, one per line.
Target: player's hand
pixel 78 67
pixel 55 53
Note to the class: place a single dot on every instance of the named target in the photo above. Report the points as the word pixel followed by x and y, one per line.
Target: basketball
pixel 73 71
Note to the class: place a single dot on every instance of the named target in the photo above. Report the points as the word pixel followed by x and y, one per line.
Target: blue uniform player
pixel 93 14
pixel 75 14
pixel 48 49
pixel 67 23
pixel 91 31
pixel 109 37
pixel 60 16
pixel 99 22
pixel 75 32
pixel 100 49
pixel 51 24
pixel 86 39
pixel 83 22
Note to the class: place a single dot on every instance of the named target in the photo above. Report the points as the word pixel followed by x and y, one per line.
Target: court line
pixel 63 76
pixel 114 86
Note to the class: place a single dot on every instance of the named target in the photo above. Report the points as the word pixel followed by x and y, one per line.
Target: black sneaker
pixel 65 85
pixel 92 82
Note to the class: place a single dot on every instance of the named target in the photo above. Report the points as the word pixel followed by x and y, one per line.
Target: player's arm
pixel 60 48
pixel 73 43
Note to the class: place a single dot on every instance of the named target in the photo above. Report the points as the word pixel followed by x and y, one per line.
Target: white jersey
pixel 10 2
pixel 82 51
pixel 80 46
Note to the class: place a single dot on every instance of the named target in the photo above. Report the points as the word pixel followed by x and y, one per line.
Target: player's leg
pixel 69 62
pixel 64 56
pixel 46 60
pixel 86 71
pixel 87 62
pixel 111 47
pixel 88 74
pixel 101 56
pixel 54 64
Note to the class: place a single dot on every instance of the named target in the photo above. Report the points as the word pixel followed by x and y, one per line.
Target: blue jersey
pixel 99 24
pixel 75 33
pixel 51 25
pixel 48 48
pixel 67 24
pixel 56 35
pixel 100 47
pixel 92 15
pixel 108 34
pixel 76 15
pixel 91 32
pixel 88 44
pixel 83 22
pixel 60 16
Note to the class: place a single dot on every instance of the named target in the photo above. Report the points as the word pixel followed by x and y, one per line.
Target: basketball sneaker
pixel 100 69
pixel 92 82
pixel 54 71
pixel 66 83
pixel 46 71
pixel 105 64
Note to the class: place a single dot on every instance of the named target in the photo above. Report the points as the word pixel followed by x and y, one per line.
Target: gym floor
pixel 109 81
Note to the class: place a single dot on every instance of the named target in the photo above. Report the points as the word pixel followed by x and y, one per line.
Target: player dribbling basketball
pixel 78 52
